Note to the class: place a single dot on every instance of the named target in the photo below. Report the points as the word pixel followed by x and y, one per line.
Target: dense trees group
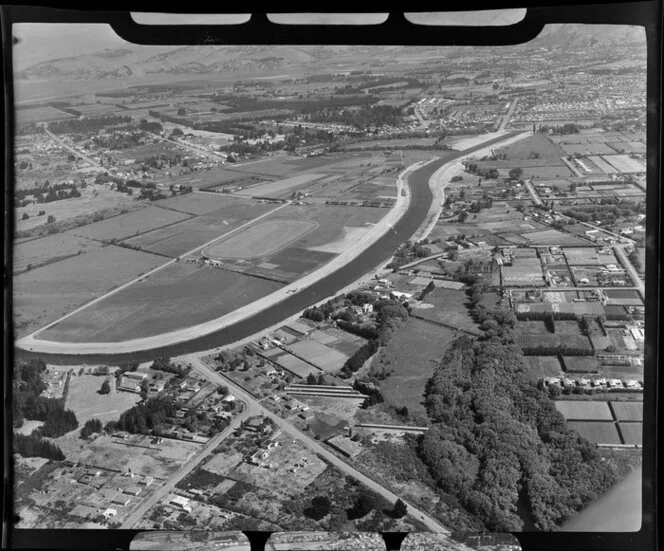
pixel 91 426
pixel 87 125
pixel 33 445
pixel 146 417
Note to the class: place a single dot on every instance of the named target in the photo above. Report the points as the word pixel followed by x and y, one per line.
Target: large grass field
pixel 176 297
pixel 450 306
pixel 584 410
pixel 599 432
pixel 524 149
pixel 323 356
pixel 632 433
pixel 261 239
pixel 51 248
pixel 84 400
pixel 283 188
pixel 543 366
pixel 40 114
pixel 47 293
pixel 129 224
pixel 202 203
pixel 411 355
pixel 535 333
pixel 628 411
pixel 179 238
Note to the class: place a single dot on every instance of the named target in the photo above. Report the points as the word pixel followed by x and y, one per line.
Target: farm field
pixel 181 237
pixel 543 366
pixel 203 203
pixel 48 293
pixel 51 248
pixel 323 356
pixel 538 144
pixel 553 237
pixel 282 188
pixel 129 224
pixel 599 432
pixel 294 365
pixel 181 295
pixel 582 410
pixel 28 115
pixel 632 433
pixel 534 333
pixel 84 400
pixel 449 307
pixel 625 164
pixel 581 364
pixel 411 355
pixel 628 411
pixel 93 199
pixel 261 239
pixel 97 109
pixel 391 144
pixel 339 340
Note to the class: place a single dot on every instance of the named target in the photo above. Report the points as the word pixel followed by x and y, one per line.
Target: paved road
pixel 70 148
pixel 312 444
pixel 533 193
pixel 507 116
pixel 189 466
pixel 633 274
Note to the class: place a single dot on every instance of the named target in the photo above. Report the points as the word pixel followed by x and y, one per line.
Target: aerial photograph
pixel 328 289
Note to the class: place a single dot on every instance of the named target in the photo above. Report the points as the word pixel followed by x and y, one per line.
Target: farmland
pixel 44 250
pixel 282 188
pixel 632 433
pixel 599 432
pixel 179 296
pixel 179 238
pixel 47 293
pixel 450 307
pixel 27 115
pixel 535 333
pixel 627 411
pixel 584 410
pixel 410 357
pixel 543 366
pixel 323 356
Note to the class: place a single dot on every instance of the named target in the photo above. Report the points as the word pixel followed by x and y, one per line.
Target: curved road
pixel 374 255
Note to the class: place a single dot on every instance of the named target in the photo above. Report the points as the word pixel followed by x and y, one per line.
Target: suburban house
pixel 131 382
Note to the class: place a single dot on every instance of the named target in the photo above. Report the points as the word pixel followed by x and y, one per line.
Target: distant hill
pixel 568 36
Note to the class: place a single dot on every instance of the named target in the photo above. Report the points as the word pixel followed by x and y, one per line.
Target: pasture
pixel 51 248
pixel 553 237
pixel 129 224
pixel 538 144
pixel 627 411
pixel 260 240
pixel 450 306
pixel 28 115
pixel 534 333
pixel 295 365
pixel 542 366
pixel 179 296
pixel 177 239
pixel 84 400
pixel 411 357
pixel 625 164
pixel 48 293
pixel 581 364
pixel 581 410
pixel 282 188
pixel 97 109
pixel 203 203
pixel 598 432
pixel 632 433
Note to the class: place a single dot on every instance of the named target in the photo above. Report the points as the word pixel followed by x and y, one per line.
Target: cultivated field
pixel 524 149
pixel 295 365
pixel 282 188
pixel 179 296
pixel 40 114
pixel 204 203
pixel 261 239
pixel 628 411
pixel 411 355
pixel 87 403
pixel 632 433
pixel 535 333
pixel 553 237
pixel 47 293
pixel 598 432
pixel 129 224
pixel 543 366
pixel 574 410
pixel 581 364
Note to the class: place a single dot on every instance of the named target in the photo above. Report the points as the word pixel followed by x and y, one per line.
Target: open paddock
pixel 177 239
pixel 537 172
pixel 48 293
pixel 628 147
pixel 84 400
pixel 392 144
pixel 179 296
pixel 260 240
pixel 543 366
pixel 596 148
pixel 628 411
pixel 581 364
pixel 283 188
pixel 598 432
pixel 346 343
pixel 632 433
pixel 97 109
pixel 323 356
pixel 575 410
pixel 553 237
pixel 625 164
pixel 51 248
pixel 411 356
pixel 531 334
pixel 295 365
pixel 537 144
pixel 155 149
pixel 204 203
pixel 450 306
pixel 129 224
pixel 29 115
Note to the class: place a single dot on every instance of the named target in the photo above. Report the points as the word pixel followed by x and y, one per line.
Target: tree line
pixel 87 124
